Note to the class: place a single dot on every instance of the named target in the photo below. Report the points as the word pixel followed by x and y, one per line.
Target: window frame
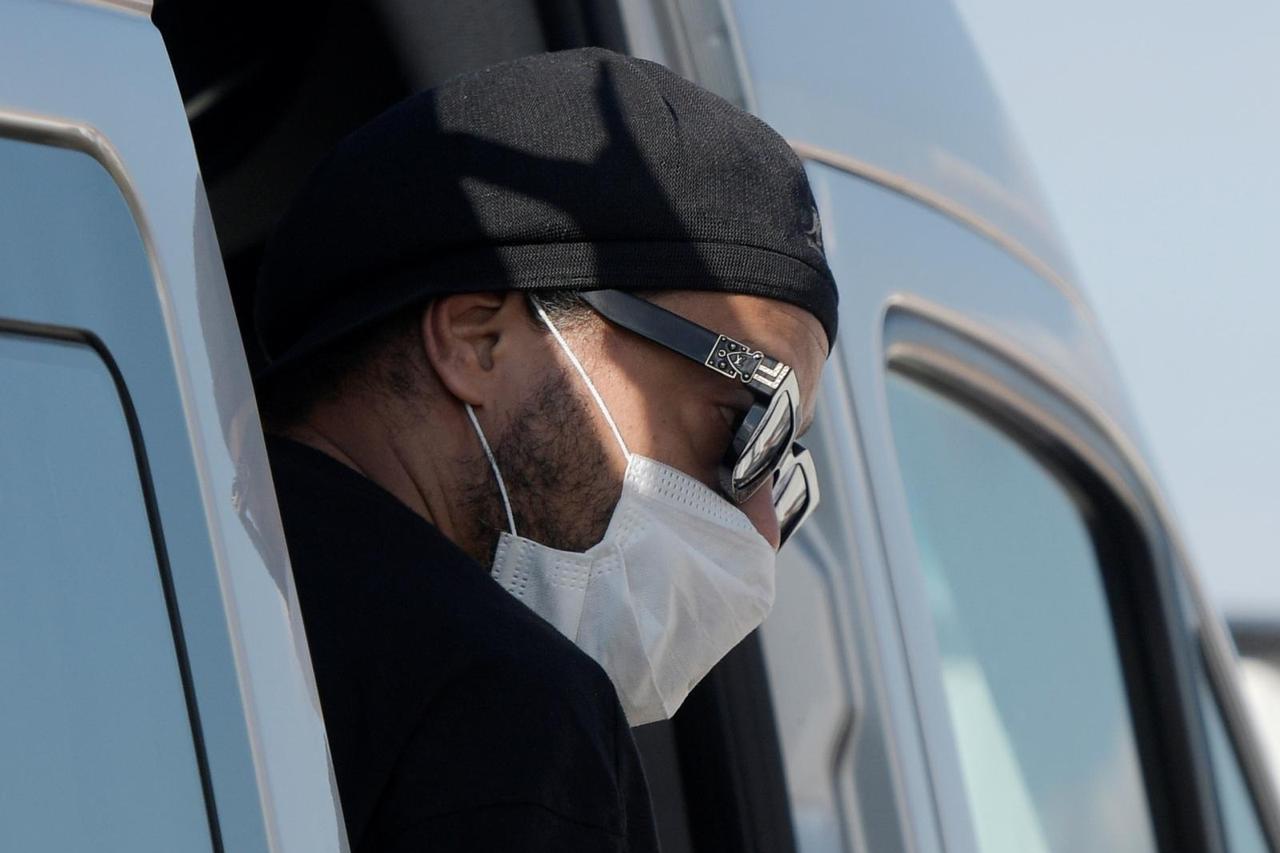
pixel 85 338
pixel 1146 593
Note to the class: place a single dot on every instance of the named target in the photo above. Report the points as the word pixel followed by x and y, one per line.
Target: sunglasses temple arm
pixel 659 325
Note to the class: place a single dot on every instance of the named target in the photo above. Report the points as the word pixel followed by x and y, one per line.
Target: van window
pixel 96 746
pixel 1032 675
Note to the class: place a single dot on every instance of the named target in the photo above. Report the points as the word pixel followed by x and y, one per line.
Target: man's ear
pixel 465 337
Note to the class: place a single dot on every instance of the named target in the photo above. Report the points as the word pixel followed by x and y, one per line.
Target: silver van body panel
pixel 112 96
pixel 968 285
pixel 943 219
pixel 898 86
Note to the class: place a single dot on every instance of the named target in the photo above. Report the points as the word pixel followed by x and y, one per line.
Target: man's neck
pixel 377 459
pixel 310 436
pixel 424 470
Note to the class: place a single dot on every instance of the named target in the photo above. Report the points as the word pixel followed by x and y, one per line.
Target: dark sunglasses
pixel 764 449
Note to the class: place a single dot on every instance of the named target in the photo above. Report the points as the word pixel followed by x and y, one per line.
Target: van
pixel 988 638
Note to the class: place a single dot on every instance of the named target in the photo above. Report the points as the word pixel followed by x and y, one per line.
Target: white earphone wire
pixel 537 305
pixel 493 463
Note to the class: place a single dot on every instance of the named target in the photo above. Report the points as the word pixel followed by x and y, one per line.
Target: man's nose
pixel 759 508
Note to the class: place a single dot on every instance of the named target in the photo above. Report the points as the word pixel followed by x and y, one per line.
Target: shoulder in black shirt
pixel 458 719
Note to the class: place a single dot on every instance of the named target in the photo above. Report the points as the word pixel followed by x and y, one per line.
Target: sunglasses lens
pixel 795 491
pixel 770 440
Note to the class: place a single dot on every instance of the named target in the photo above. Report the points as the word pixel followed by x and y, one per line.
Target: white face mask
pixel 680 578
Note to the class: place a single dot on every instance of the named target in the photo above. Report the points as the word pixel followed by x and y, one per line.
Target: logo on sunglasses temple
pixel 735 360
pixel 745 363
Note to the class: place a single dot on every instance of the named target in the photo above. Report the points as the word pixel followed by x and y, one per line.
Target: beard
pixel 555 468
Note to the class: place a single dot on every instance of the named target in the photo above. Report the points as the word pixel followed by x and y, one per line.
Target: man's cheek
pixel 708 442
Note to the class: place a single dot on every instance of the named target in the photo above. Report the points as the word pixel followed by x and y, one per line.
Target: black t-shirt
pixel 458 719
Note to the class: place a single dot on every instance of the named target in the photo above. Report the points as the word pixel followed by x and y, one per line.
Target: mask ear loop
pixel 493 463
pixel 542 315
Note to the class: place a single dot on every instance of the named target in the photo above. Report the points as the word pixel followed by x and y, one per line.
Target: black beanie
pixel 576 170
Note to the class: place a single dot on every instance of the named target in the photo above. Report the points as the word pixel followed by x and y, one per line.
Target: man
pixel 555 325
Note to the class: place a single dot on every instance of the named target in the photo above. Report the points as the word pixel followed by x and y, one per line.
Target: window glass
pixel 96 748
pixel 1032 676
pixel 1239 820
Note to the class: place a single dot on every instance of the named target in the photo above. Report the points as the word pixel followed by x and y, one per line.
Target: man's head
pixel 401 403
pixel 396 289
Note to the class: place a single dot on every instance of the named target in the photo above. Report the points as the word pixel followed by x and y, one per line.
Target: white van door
pixel 157 693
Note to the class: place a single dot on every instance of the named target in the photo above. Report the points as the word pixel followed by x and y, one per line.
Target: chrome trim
pixel 87 139
pixel 923 356
pixel 77 136
pixel 1095 414
pixel 1214 644
pixel 957 322
pixel 133 7
pixel 930 198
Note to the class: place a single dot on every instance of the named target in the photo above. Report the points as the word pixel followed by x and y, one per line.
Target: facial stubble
pixel 556 469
